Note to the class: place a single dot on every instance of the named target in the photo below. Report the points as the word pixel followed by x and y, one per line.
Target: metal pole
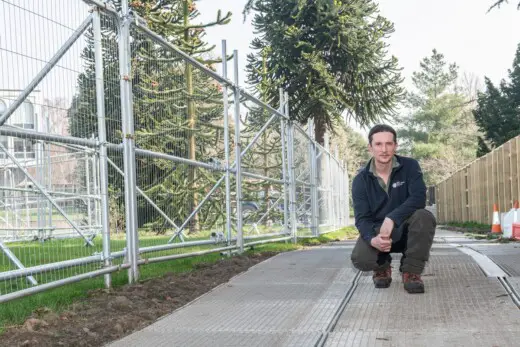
pixel 87 173
pixel 44 192
pixel 292 177
pixel 226 143
pixel 284 165
pixel 48 67
pixel 39 177
pixel 312 161
pixel 143 194
pixel 58 283
pixel 238 160
pixel 341 182
pixel 347 194
pixel 16 261
pixel 334 188
pixel 48 171
pixel 103 167
pixel 6 212
pixel 329 184
pixel 128 144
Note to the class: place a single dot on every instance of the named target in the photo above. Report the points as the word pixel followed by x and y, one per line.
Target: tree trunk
pixel 320 127
pixel 192 119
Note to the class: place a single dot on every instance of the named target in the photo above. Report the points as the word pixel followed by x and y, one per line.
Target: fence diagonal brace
pixel 44 192
pixel 197 208
pixel 47 68
pixel 269 209
pixel 16 261
pixel 257 136
pixel 143 194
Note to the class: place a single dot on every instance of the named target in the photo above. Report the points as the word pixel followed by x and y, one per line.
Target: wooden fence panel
pixel 469 194
pixel 489 183
pixel 483 196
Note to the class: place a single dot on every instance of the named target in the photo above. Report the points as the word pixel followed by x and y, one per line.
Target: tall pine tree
pixel 176 110
pixel 498 108
pixel 330 56
pixel 439 131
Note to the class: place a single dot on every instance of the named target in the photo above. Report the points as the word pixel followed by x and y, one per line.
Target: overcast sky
pixel 480 43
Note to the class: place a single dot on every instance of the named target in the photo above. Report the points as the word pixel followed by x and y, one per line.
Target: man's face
pixel 382 147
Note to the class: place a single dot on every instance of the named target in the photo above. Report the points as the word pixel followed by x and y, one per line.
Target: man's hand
pixel 386 228
pixel 381 243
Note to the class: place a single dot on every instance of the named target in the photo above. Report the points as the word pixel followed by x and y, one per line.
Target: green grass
pixel 347 233
pixel 16 312
pixel 58 299
pixel 479 231
pixel 470 225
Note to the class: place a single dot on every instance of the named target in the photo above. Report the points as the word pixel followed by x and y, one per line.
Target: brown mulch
pixel 106 316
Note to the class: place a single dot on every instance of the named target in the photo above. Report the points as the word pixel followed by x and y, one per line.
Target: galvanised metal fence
pixel 119 150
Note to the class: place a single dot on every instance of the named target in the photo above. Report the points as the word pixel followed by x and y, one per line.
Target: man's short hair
pixel 380 128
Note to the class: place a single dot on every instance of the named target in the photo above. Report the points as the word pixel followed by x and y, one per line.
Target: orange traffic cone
pixel 516 222
pixel 495 227
pixel 516 212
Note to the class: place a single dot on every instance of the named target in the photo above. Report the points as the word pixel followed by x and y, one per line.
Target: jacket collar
pixel 396 165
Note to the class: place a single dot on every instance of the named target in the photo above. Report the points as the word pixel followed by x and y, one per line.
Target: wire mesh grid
pixel 60 144
pixel 303 178
pixel 51 206
pixel 262 172
pixel 325 187
pixel 178 113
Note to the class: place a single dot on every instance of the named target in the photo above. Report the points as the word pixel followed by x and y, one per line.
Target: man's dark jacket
pixel 406 194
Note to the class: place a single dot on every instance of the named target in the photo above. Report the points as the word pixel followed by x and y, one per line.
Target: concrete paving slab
pixel 169 338
pixel 291 299
pixel 461 307
pixel 287 300
pixel 485 338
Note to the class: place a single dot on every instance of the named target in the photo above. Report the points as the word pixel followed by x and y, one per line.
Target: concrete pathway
pixel 315 298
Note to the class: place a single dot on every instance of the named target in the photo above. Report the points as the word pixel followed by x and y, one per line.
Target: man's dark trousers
pixel 415 238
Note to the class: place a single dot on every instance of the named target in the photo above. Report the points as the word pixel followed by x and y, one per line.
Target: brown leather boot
pixel 383 278
pixel 413 283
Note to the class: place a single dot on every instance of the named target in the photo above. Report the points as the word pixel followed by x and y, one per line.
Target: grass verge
pixel 57 300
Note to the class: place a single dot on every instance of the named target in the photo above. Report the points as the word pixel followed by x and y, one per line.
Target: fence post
pixel 238 159
pixel 341 198
pixel 103 168
pixel 226 143
pixel 336 191
pixel 283 136
pixel 128 144
pixel 291 171
pixel 312 162
pixel 347 193
pixel 329 209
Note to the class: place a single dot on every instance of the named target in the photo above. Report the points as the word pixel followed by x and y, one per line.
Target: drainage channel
pixel 492 269
pixel 511 291
pixel 332 324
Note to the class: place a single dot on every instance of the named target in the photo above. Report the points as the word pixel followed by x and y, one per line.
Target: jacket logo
pixel 397 184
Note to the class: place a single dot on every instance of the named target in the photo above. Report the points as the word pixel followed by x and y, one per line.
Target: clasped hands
pixel 382 241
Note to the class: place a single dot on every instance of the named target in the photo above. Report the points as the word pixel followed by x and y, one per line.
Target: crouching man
pixel 389 197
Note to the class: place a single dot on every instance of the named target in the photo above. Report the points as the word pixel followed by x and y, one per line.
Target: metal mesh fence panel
pixel 262 169
pixel 118 150
pixel 50 219
pixel 180 151
pixel 303 176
